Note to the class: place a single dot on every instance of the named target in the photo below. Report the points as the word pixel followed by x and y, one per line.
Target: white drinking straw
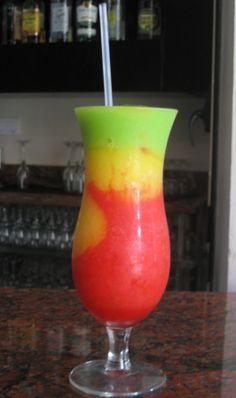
pixel 106 62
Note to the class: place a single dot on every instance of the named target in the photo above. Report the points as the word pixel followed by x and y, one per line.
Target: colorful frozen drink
pixel 121 252
pixel 121 249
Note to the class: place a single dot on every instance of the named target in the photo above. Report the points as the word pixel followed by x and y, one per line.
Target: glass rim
pixel 128 107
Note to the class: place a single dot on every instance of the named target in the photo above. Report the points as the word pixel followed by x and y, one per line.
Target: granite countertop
pixel 44 333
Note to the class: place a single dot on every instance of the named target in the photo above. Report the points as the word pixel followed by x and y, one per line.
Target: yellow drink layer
pixel 130 172
pixel 92 226
pixel 125 148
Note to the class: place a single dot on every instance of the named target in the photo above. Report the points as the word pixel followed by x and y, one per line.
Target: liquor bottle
pixel 17 24
pixel 86 19
pixel 7 22
pixel 11 22
pixel 42 34
pixel 149 19
pixel 115 20
pixel 60 21
pixel 32 11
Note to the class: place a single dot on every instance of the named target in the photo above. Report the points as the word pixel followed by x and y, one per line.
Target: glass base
pixel 91 378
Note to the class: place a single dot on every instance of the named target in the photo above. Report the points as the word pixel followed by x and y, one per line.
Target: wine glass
pixel 68 172
pixel 2 164
pixel 23 172
pixel 35 231
pixel 51 231
pixel 78 176
pixel 121 248
pixel 19 233
pixel 4 226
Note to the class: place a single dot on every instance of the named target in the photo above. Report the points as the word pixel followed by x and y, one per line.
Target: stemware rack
pixel 37 230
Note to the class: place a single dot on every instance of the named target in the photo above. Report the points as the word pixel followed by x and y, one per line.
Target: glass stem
pixel 118 354
pixel 69 155
pixel 22 153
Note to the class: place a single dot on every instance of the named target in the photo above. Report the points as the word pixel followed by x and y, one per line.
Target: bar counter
pixel 44 333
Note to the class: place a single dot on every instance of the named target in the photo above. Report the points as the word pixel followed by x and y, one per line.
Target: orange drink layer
pixel 121 249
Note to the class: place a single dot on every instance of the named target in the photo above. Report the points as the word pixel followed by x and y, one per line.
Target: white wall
pixel 48 120
pixel 231 275
pixel 225 229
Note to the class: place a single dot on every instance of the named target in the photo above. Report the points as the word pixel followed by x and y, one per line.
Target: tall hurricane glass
pixel 121 249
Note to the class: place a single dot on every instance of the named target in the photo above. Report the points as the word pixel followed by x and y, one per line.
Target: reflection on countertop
pixel 44 333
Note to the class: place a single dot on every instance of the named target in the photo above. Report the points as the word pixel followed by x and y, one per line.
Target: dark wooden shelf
pixel 175 205
pixel 43 198
pixel 188 45
pixel 78 66
pixel 180 60
pixel 188 205
pixel 40 251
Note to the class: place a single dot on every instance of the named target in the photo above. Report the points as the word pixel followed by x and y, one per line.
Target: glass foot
pixel 91 378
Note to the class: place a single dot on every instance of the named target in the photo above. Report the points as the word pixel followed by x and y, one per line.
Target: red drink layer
pixel 122 278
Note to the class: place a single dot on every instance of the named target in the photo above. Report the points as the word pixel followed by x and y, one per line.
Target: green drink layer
pixel 126 126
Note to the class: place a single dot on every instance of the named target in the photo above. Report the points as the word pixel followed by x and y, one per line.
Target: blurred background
pixel 162 54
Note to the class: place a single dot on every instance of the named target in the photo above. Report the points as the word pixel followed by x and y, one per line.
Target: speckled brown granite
pixel 44 333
